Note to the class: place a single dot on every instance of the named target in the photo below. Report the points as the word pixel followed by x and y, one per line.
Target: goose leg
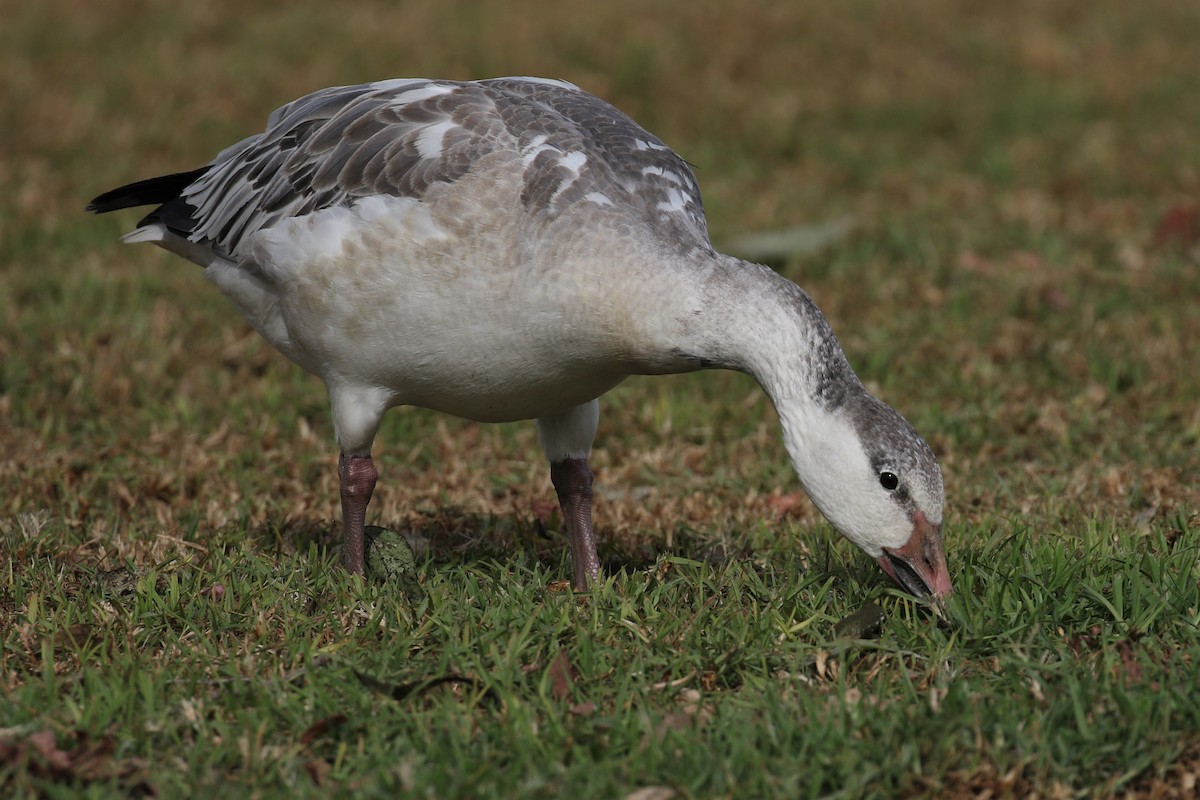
pixel 567 440
pixel 572 479
pixel 357 412
pixel 357 475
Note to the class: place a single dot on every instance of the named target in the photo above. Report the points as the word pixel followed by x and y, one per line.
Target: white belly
pixel 383 295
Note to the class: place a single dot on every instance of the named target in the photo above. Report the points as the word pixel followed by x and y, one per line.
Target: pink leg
pixel 572 481
pixel 357 475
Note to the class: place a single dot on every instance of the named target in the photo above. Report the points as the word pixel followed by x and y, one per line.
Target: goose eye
pixel 888 480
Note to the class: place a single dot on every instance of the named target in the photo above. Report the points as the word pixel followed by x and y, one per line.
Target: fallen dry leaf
pixel 74 638
pixel 89 760
pixel 320 728
pixel 46 746
pixel 318 770
pixel 561 677
pixel 1179 226
pixel 781 504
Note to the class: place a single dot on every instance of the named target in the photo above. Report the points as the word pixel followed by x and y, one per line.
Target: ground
pixel 1019 277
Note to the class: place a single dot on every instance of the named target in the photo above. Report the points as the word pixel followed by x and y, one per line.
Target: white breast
pixel 392 294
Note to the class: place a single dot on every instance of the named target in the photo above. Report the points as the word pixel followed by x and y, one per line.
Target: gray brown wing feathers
pixel 563 147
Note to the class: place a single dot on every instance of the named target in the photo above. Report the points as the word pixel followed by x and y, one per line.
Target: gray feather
pixel 562 147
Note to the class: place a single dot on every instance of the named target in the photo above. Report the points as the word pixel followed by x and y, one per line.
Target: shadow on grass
pixel 451 536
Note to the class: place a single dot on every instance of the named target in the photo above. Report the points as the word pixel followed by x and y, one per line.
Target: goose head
pixel 879 484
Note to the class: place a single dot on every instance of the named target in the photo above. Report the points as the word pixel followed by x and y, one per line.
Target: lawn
pixel 1019 276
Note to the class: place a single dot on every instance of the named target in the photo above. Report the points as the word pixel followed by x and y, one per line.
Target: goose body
pixel 512 249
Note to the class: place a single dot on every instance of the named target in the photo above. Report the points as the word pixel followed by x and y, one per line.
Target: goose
pixel 511 249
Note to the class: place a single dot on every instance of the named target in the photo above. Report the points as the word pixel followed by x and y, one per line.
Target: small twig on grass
pixel 403 691
pixel 672 684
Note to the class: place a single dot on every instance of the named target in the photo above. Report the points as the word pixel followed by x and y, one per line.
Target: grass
pixel 1021 282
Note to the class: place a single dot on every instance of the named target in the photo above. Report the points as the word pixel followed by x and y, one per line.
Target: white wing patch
pixel 534 149
pixel 429 141
pixel 664 174
pixel 676 201
pixel 417 95
pixel 572 162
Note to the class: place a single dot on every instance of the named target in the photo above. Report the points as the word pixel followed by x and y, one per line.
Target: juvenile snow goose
pixel 512 249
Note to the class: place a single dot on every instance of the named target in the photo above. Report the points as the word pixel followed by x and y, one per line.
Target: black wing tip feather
pixel 152 191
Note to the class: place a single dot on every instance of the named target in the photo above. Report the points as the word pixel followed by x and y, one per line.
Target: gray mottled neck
pixel 751 319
